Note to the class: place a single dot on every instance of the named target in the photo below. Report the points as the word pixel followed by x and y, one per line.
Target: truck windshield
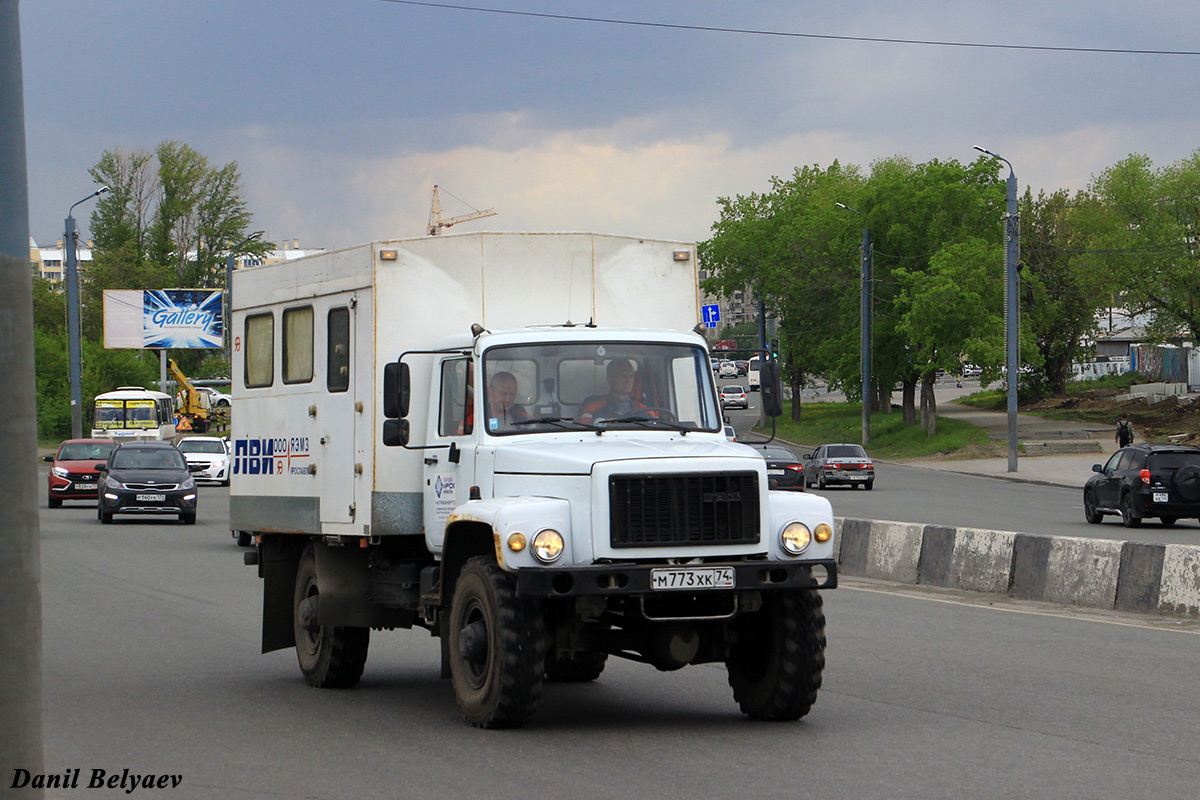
pixel 598 385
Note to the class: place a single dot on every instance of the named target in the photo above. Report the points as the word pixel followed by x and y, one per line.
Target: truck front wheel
pixel 497 645
pixel 777 656
pixel 330 657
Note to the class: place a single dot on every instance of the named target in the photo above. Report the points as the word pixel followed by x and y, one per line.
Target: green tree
pixel 1062 286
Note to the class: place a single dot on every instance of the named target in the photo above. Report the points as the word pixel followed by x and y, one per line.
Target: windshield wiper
pixel 641 418
pixel 555 421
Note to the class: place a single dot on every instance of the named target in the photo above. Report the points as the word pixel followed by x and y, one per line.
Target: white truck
pixel 478 434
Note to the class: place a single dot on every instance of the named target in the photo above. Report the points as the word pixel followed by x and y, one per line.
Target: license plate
pixel 692 578
pixel 82 486
pixel 1160 497
pixel 151 498
pixel 774 472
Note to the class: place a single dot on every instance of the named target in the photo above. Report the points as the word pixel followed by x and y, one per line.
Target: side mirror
pixel 396 390
pixel 1097 468
pixel 48 459
pixel 772 388
pixel 395 432
pixel 101 467
pixel 806 456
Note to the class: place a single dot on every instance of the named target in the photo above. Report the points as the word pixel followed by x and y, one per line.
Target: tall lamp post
pixel 229 264
pixel 865 344
pixel 70 247
pixel 1012 240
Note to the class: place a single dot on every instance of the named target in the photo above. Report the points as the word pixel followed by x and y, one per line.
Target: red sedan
pixel 73 475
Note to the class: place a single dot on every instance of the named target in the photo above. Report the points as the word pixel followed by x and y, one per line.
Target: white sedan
pixel 211 453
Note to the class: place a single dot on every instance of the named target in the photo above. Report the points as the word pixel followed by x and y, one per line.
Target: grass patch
pixel 824 423
pixel 987 399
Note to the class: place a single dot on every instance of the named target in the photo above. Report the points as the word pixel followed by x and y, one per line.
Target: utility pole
pixel 865 287
pixel 1012 321
pixel 20 566
pixel 70 253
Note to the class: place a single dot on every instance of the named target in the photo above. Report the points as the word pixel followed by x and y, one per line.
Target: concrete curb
pixel 1093 573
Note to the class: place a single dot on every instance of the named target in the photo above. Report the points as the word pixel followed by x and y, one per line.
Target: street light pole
pixel 1012 240
pixel 228 322
pixel 70 247
pixel 865 343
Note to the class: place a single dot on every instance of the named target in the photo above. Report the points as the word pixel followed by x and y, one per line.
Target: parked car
pixel 784 470
pixel 728 370
pixel 1145 481
pixel 147 477
pixel 211 454
pixel 734 395
pixel 215 399
pixel 846 464
pixel 73 474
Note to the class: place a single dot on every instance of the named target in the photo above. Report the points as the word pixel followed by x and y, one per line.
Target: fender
pixel 784 507
pixel 505 516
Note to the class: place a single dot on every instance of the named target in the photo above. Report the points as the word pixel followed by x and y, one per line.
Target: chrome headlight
pixel 59 471
pixel 795 538
pixel 547 545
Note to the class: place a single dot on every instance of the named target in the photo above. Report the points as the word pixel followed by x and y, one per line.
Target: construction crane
pixel 436 223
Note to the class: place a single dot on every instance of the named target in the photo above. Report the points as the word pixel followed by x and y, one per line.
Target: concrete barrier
pixel 1094 573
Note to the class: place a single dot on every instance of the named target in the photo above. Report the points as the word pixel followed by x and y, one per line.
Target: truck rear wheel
pixel 577 668
pixel 330 657
pixel 497 645
pixel 778 655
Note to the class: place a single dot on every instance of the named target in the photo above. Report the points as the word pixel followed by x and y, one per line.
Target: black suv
pixel 147 478
pixel 1145 480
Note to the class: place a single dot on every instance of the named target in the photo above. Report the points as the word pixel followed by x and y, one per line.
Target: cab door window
pixel 456 407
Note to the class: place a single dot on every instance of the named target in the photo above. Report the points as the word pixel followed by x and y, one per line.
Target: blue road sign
pixel 712 315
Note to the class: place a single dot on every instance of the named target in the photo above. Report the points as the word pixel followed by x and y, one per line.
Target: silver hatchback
pixel 845 464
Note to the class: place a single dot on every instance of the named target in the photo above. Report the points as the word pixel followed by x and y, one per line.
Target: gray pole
pixel 865 346
pixel 864 326
pixel 70 249
pixel 20 567
pixel 762 355
pixel 1012 320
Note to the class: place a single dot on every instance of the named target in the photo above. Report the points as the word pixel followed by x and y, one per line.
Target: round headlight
pixel 823 532
pixel 795 538
pixel 548 545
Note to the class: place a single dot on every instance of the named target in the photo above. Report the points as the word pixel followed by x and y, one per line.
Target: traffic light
pixel 774 348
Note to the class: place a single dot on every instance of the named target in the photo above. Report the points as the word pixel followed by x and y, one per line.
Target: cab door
pixel 450 468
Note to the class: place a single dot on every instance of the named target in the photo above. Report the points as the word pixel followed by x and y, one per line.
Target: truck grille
pixel 658 510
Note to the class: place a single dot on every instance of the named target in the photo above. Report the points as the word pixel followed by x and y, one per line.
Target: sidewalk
pixel 1071 470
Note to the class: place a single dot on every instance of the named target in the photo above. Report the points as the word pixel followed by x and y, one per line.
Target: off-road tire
pixel 501 686
pixel 777 656
pixel 578 668
pixel 1089 508
pixel 1128 516
pixel 331 657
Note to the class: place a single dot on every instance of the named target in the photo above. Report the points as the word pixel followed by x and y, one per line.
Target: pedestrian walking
pixel 1124 434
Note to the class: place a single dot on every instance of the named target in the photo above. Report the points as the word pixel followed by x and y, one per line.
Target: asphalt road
pixel 152 665
pixel 917 494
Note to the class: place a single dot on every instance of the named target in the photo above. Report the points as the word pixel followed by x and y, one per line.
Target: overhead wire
pixel 793 34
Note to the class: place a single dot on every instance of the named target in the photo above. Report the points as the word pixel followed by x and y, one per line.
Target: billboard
pixel 164 318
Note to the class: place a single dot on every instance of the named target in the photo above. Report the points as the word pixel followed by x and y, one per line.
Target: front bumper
pixel 68 489
pixel 606 580
pixel 127 502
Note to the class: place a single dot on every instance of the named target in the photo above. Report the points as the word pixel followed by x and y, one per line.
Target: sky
pixel 343 114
